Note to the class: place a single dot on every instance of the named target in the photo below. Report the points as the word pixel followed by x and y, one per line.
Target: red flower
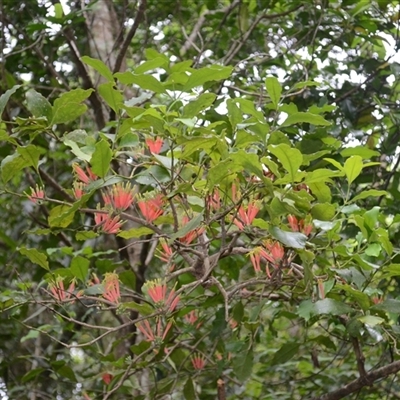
pixel 274 253
pixel 154 145
pixel 107 223
pixel 152 336
pixel 78 190
pixel 245 216
pixel 36 195
pixel 198 361
pixel 107 378
pixel 86 179
pixel 214 200
pixel 192 318
pixel 167 255
pixel 58 292
pixel 193 234
pixel 299 225
pixel 255 257
pixel 151 208
pixel 111 287
pixel 157 290
pixel 119 197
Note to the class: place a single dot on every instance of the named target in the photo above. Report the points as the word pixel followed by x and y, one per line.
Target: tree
pixel 199 200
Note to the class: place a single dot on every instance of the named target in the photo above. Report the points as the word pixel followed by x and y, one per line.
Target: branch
pixel 369 78
pixel 359 383
pixel 129 37
pixel 235 48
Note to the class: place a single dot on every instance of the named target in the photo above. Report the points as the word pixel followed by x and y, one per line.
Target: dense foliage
pixel 199 200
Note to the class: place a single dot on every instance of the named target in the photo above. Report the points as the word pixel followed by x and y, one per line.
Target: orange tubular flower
pixel 119 197
pixel 167 255
pixel 246 215
pixel 299 225
pixel 78 190
pixel 214 200
pixel 58 292
pixel 111 287
pixel 198 361
pixel 255 257
pixel 82 176
pixel 274 253
pixel 107 223
pixel 157 290
pixel 158 337
pixel 154 145
pixel 190 236
pixel 192 318
pixel 151 208
pixel 36 195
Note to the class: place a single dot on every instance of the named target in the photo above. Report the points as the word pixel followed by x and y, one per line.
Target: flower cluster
pixel 120 197
pixel 246 215
pixel 156 335
pixel 299 225
pixel 111 287
pixel 154 145
pixel 271 251
pixel 151 207
pixel 58 291
pixel 36 195
pixel 157 290
pixel 106 223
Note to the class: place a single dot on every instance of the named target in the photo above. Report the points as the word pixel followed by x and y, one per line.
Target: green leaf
pixel 243 364
pixel 68 106
pixel 135 232
pixel 32 374
pixel 99 66
pixel 330 306
pixel 79 268
pixel 58 10
pixel 86 235
pixel 79 152
pixel 371 320
pixel 128 278
pixel 194 108
pixel 144 81
pixel 35 257
pixel 151 64
pixel 290 158
pixel 12 164
pixel 192 224
pixel 101 158
pixel 274 90
pixel 112 96
pixel 352 168
pixel 6 96
pixel 389 305
pixel 304 117
pixel 373 250
pixel 188 390
pixel 285 353
pixel 335 163
pixel 38 104
pixel 207 74
pixel 323 211
pixel 30 154
pixel 369 193
pixel 391 270
pixel 371 217
pixel 66 372
pixel 320 175
pixel 61 216
pixel 295 240
pixel 144 309
pixel 361 151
